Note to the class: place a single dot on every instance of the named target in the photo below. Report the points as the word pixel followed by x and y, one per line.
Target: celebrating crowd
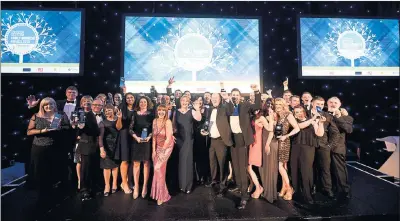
pixel 218 140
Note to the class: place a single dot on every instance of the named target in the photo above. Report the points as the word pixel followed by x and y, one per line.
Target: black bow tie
pixel 70 102
pixel 98 115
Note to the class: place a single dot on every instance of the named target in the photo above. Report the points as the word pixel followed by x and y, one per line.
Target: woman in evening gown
pixel 124 140
pixel 255 151
pixel 162 148
pixel 183 127
pixel 141 146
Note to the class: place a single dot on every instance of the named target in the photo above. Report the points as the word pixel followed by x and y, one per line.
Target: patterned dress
pixel 159 189
pixel 284 146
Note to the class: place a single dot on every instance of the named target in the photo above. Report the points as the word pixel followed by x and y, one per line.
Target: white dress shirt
pixel 69 108
pixel 214 133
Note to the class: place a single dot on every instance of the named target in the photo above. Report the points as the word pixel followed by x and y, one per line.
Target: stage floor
pixel 373 199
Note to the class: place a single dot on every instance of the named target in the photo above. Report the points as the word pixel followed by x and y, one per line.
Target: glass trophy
pixel 56 121
pixel 143 136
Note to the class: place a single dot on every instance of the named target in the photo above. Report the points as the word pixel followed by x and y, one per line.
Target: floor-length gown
pixel 159 190
pixel 269 169
pixel 184 142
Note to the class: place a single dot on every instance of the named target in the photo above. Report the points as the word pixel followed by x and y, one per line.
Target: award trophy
pixel 143 136
pixel 56 122
pixel 206 128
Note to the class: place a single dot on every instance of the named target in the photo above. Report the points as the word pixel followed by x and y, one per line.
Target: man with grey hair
pixel 344 122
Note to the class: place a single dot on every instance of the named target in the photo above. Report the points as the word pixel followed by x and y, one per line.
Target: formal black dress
pixel 45 154
pixel 184 143
pixel 124 140
pixel 108 139
pixel 141 151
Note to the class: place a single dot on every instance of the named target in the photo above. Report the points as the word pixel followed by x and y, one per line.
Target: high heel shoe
pixel 283 191
pixel 79 185
pixel 126 192
pixel 256 193
pixel 144 193
pixel 159 202
pixel 289 194
pixel 135 195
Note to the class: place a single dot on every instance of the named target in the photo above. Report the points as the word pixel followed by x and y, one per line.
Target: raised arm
pixel 257 102
pixel 119 120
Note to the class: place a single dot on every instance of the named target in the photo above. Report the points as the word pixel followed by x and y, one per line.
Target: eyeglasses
pixel 97 105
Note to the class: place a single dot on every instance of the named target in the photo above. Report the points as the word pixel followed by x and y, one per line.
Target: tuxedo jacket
pixel 88 142
pixel 246 109
pixel 345 126
pixel 222 123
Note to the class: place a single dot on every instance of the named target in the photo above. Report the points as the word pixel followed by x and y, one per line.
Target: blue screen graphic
pixel 198 52
pixel 349 47
pixel 41 41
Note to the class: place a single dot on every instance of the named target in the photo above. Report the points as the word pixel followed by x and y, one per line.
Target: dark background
pixel 372 102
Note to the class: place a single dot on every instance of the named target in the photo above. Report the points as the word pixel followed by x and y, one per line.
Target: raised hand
pixel 224 95
pixel 286 82
pixel 31 100
pixel 254 87
pixel 344 112
pixel 269 91
pixel 196 105
pixel 221 84
pixel 171 81
pixel 119 113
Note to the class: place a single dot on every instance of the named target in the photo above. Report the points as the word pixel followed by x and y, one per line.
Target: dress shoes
pixel 242 205
pixel 234 190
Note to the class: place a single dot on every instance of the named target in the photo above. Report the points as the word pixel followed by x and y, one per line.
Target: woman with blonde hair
pixel 162 148
pixel 46 126
pixel 284 119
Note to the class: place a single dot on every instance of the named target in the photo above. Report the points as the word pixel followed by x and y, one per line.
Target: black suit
pixel 219 145
pixel 325 144
pixel 88 149
pixel 345 125
pixel 239 152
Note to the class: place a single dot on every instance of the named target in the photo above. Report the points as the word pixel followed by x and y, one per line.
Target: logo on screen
pixel 358 73
pixel 193 52
pixel 27 33
pixel 26 69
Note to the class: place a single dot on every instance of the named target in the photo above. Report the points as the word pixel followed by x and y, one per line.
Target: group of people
pixel 216 139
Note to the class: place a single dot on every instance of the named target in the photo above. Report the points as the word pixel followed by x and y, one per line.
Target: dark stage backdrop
pixel 373 103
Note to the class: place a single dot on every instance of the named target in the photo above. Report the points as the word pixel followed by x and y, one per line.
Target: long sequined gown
pixel 159 190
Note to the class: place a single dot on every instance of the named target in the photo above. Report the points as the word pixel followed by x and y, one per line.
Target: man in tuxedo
pixel 240 124
pixel 325 144
pixel 221 138
pixel 294 102
pixel 344 123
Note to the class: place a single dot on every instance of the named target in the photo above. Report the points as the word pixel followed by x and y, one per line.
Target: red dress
pixel 255 151
pixel 159 189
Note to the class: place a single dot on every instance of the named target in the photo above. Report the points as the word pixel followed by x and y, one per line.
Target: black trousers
pixel 340 171
pixel 88 172
pixel 301 164
pixel 324 168
pixel 217 155
pixel 240 158
pixel 201 159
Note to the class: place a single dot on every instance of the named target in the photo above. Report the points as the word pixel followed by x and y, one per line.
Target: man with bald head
pixel 221 138
pixel 344 123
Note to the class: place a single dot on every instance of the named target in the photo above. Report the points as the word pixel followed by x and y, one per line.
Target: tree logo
pixel 23 34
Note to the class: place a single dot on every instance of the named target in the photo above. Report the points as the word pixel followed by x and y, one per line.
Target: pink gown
pixel 255 151
pixel 159 190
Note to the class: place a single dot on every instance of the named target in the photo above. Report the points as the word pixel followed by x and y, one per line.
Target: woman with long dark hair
pixel 141 125
pixel 124 140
